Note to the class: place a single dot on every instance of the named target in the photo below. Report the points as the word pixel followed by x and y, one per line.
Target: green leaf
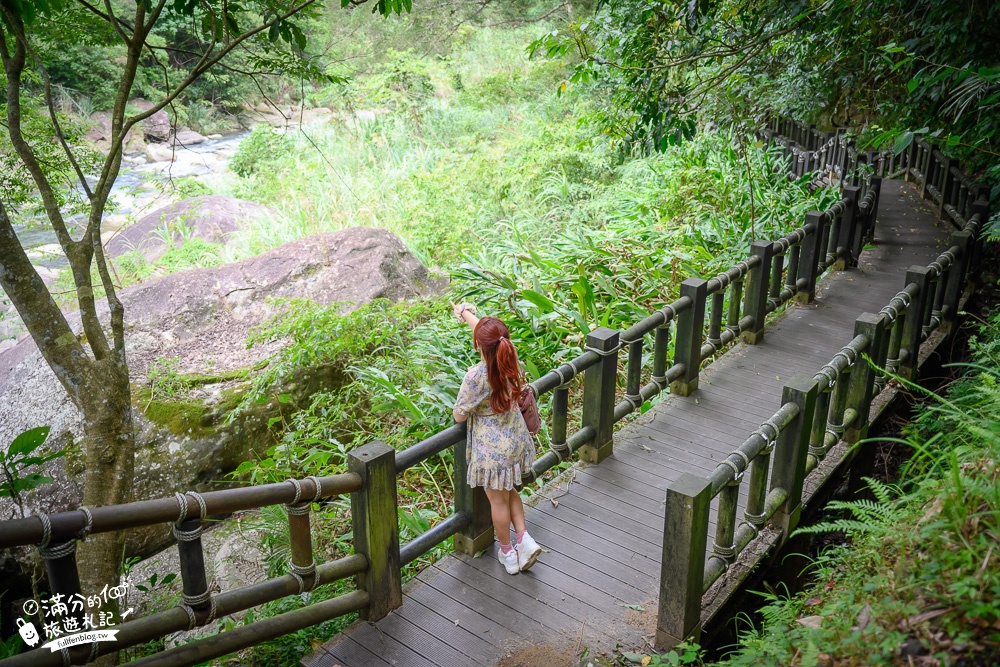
pixel 298 36
pixel 28 441
pixel 543 302
pixel 637 658
pixel 902 142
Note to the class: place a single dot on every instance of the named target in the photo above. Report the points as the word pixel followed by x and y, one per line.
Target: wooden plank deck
pixel 602 525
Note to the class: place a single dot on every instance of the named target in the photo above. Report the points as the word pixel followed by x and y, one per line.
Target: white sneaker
pixel 527 552
pixel 509 560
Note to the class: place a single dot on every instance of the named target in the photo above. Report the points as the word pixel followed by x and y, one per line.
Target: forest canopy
pixel 891 68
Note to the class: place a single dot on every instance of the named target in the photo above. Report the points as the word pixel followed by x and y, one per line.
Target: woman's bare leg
pixel 516 510
pixel 500 510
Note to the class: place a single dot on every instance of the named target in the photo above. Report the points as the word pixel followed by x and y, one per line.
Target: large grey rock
pixel 187 137
pixel 201 318
pixel 212 218
pixel 158 153
pixel 157 126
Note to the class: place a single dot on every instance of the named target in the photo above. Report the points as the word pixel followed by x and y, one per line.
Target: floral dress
pixel 499 447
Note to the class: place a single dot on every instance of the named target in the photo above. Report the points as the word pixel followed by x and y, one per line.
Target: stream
pixel 137 191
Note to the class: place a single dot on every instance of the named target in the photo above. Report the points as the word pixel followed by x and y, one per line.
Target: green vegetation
pixel 892 69
pixel 487 174
pixel 564 185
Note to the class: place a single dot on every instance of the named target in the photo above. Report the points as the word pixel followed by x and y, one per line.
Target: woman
pixel 499 447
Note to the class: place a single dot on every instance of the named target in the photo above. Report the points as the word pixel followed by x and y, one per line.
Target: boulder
pixel 187 137
pixel 159 153
pixel 135 145
pixel 157 126
pixel 200 319
pixel 212 218
pixel 100 133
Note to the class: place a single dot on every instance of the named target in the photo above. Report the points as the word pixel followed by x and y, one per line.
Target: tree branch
pixel 206 63
pixel 14 68
pixel 46 323
pixel 59 133
pixel 113 20
pixel 122 25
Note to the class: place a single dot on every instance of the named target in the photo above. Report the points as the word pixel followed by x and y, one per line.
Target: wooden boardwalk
pixel 602 526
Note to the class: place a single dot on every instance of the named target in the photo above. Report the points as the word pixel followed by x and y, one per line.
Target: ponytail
pixel 502 367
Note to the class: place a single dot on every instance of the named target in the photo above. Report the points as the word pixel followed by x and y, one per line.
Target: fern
pixel 868 516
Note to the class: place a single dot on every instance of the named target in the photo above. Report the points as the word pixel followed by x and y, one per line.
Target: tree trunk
pixel 106 404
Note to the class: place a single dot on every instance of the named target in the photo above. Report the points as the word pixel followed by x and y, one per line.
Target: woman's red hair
pixel 503 371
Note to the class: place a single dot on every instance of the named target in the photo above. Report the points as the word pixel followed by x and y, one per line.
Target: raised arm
pixel 467 313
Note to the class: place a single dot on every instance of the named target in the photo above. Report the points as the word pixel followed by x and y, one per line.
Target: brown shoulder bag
pixel 529 410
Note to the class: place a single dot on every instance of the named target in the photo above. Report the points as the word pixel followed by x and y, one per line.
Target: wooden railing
pixel 709 316
pixel 820 411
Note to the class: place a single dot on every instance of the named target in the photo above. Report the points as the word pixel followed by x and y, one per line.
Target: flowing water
pixel 137 190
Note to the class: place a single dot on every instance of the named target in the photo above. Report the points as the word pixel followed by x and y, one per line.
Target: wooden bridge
pixel 734 451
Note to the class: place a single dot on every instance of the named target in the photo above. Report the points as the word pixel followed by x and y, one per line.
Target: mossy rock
pixel 188 418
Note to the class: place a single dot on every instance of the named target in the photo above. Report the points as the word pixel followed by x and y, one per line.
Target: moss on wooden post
pixel 810 258
pixel 755 304
pixel 948 187
pixel 930 165
pixel 599 382
pixel 848 225
pixel 876 188
pixel 911 160
pixel 862 387
pixel 956 277
pixel 690 336
pixel 791 450
pixel 479 533
pixel 980 208
pixel 376 527
pixel 682 566
pixel 913 324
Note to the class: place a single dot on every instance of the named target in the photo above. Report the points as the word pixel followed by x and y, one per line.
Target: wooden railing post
pixel 599 383
pixel 690 336
pixel 928 169
pixel 755 304
pixel 848 224
pixel 859 397
pixel 956 278
pixel 911 160
pixel 478 535
pixel 981 208
pixel 194 578
pixel 914 323
pixel 791 450
pixel 810 259
pixel 862 386
pixel 64 580
pixel 948 185
pixel 873 213
pixel 375 519
pixel 682 564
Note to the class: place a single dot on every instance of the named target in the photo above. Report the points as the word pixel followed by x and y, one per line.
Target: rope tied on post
pixel 603 353
pixel 319 488
pixel 46 530
pixel 299 508
pixel 85 531
pixel 57 551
